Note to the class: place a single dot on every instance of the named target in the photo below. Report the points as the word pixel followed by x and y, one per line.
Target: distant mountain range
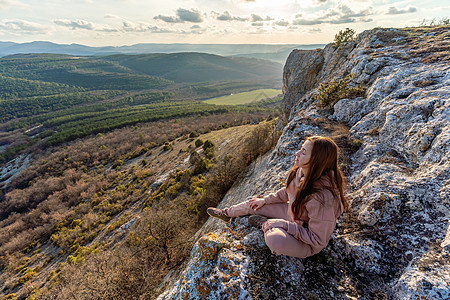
pixel 274 52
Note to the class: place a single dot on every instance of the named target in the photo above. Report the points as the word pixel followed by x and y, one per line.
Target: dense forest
pixel 97 151
pixel 69 97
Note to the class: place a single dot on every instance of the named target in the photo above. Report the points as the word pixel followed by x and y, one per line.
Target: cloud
pixel 82 24
pixel 226 16
pixel 168 19
pixel 112 17
pixel 196 29
pixel 315 30
pixel 258 24
pixel 306 22
pixel 192 15
pixel 341 14
pixel 257 18
pixel 281 23
pixel 182 15
pixel 77 24
pixel 395 11
pixel 128 26
pixel 21 26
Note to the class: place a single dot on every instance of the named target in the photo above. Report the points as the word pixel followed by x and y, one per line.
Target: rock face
pixel 395 242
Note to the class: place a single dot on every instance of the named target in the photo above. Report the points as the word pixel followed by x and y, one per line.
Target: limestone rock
pixel 394 243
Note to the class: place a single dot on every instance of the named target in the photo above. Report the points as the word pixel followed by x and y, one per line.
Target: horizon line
pixel 156 43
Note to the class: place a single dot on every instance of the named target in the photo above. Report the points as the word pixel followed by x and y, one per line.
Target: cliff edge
pixel 395 242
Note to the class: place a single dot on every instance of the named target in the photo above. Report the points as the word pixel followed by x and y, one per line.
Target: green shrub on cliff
pixel 343 36
pixel 330 93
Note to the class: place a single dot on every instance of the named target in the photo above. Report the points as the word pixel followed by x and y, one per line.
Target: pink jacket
pixel 318 221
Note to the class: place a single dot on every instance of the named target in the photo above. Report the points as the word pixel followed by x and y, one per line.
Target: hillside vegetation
pixel 90 146
pixel 62 97
pixel 198 67
pixel 244 97
pixel 68 213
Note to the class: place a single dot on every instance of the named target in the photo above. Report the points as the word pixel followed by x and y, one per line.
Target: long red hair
pixel 323 162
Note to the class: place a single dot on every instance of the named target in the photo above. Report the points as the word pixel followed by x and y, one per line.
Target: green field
pixel 244 98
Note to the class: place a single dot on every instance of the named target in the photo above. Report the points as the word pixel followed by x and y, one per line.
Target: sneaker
pixel 257 221
pixel 218 213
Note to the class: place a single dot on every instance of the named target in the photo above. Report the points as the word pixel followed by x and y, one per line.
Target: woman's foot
pixel 218 213
pixel 257 221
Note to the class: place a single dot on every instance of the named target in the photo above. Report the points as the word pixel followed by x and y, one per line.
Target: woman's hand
pixel 256 203
pixel 275 223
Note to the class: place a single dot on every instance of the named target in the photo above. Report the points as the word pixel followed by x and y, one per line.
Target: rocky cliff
pixel 395 242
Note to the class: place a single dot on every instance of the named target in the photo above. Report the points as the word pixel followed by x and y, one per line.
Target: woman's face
pixel 303 155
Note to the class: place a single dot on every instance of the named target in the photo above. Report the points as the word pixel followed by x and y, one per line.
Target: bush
pixel 343 36
pixel 208 148
pixel 193 134
pixel 198 163
pixel 167 146
pixel 329 94
pixel 261 140
pixel 207 144
pixel 198 143
pixel 118 163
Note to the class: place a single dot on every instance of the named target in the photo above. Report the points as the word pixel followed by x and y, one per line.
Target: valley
pixel 96 151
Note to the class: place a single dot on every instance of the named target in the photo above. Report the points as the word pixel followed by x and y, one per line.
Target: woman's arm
pixel 280 196
pixel 321 224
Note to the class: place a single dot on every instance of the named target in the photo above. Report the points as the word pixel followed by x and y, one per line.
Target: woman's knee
pixel 281 243
pixel 275 240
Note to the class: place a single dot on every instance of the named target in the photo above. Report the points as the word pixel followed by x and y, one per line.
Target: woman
pixel 303 214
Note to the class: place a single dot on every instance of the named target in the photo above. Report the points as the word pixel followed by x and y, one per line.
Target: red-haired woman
pixel 303 214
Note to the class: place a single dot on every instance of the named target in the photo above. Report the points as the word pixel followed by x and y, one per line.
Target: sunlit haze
pixel 126 22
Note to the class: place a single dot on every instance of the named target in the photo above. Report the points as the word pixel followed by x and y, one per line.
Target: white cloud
pixel 193 15
pixel 257 18
pixel 315 30
pixel 77 24
pixel 182 15
pixel 168 19
pixel 226 16
pixel 128 26
pixel 281 23
pixel 112 17
pixel 196 29
pixel 21 26
pixel 82 24
pixel 341 14
pixel 395 11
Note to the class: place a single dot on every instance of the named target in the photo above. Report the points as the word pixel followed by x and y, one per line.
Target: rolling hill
pixel 135 72
pixel 275 52
pixel 198 67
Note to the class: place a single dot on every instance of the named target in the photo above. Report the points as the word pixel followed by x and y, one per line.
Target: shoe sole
pixel 219 217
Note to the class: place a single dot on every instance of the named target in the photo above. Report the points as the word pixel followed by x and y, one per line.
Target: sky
pixel 127 22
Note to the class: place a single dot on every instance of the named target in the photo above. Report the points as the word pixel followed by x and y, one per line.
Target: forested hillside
pixel 91 145
pixel 64 97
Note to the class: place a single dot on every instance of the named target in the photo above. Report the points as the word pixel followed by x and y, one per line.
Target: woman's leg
pixel 277 239
pixel 282 243
pixel 274 211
